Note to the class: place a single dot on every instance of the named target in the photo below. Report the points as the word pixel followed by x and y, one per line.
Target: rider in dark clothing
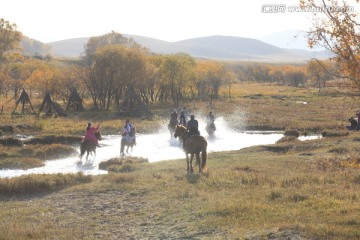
pixel 193 125
pixel 182 118
pixel 353 123
pixel 174 115
pixel 210 119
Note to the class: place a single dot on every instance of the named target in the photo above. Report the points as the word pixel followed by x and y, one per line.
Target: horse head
pixel 179 131
pixel 97 134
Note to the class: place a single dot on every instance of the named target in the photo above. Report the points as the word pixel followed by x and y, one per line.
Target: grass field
pixel 288 190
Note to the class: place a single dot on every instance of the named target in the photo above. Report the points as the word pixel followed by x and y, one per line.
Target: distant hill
pixel 70 47
pixel 212 47
pixel 33 47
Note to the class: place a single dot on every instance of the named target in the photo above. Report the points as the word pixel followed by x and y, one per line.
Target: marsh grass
pixel 20 163
pixel 31 156
pixel 33 184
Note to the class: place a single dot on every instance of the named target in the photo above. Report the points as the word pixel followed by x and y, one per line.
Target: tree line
pixel 114 66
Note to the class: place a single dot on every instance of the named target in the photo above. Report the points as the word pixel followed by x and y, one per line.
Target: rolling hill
pixel 211 47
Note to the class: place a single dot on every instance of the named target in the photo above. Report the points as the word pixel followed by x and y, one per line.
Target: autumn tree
pixel 9 37
pixel 112 38
pixel 177 70
pixel 45 78
pixel 320 72
pixel 115 69
pixel 337 28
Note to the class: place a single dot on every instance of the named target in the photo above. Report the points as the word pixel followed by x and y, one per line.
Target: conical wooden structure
pixel 74 102
pixel 133 105
pixel 50 107
pixel 23 99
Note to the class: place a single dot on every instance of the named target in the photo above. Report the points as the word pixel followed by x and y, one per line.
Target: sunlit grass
pixel 39 183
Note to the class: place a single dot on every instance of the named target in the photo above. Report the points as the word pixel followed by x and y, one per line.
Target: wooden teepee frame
pixel 133 105
pixel 23 99
pixel 74 101
pixel 50 106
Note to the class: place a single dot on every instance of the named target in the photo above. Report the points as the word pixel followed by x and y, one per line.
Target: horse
pixel 89 146
pixel 210 128
pixel 192 144
pixel 128 140
pixel 172 125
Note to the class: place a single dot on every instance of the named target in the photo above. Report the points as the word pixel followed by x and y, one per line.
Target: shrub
pixel 292 133
pixel 120 161
pixel 334 134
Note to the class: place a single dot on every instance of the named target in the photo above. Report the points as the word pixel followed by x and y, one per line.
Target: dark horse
pixel 210 128
pixel 172 125
pixel 89 145
pixel 192 144
pixel 128 141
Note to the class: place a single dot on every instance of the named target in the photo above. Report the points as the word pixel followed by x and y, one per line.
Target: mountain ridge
pixel 215 47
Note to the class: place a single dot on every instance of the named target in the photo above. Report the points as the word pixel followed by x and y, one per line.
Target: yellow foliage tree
pixel 337 28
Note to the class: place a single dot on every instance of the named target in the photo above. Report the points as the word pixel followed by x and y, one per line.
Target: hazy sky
pixel 170 20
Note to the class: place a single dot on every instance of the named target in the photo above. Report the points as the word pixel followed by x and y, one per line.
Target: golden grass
pixel 33 184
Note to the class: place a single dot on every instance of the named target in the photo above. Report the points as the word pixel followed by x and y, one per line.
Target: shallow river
pixel 154 147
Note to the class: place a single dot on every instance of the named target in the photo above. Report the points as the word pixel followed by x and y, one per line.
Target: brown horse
pixel 210 128
pixel 128 141
pixel 172 125
pixel 89 146
pixel 192 144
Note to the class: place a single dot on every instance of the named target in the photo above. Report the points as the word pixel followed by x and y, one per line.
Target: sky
pixel 169 20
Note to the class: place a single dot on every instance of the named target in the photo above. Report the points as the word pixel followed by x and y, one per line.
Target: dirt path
pixel 118 215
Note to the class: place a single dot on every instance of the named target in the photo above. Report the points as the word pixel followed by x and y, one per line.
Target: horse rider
pixel 174 116
pixel 128 131
pixel 353 124
pixel 173 119
pixel 193 125
pixel 182 118
pixel 90 130
pixel 210 120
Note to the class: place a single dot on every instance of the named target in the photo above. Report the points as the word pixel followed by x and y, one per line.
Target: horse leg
pixel 188 162
pixel 198 161
pixel 122 148
pixel 191 166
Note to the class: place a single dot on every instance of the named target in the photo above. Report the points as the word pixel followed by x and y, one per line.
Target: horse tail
pixel 203 155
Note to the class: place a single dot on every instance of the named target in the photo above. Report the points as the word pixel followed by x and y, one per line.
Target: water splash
pixel 155 147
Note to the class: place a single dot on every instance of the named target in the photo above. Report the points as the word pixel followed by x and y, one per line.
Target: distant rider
pixel 90 134
pixel 128 131
pixel 173 119
pixel 210 121
pixel 193 125
pixel 353 123
pixel 182 118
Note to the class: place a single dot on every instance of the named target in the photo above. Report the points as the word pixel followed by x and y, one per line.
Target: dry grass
pixel 30 185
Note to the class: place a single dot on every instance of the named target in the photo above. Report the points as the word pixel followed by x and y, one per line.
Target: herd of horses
pixel 193 144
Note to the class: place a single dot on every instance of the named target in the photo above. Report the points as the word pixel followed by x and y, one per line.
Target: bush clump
pixel 114 163
pixel 40 183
